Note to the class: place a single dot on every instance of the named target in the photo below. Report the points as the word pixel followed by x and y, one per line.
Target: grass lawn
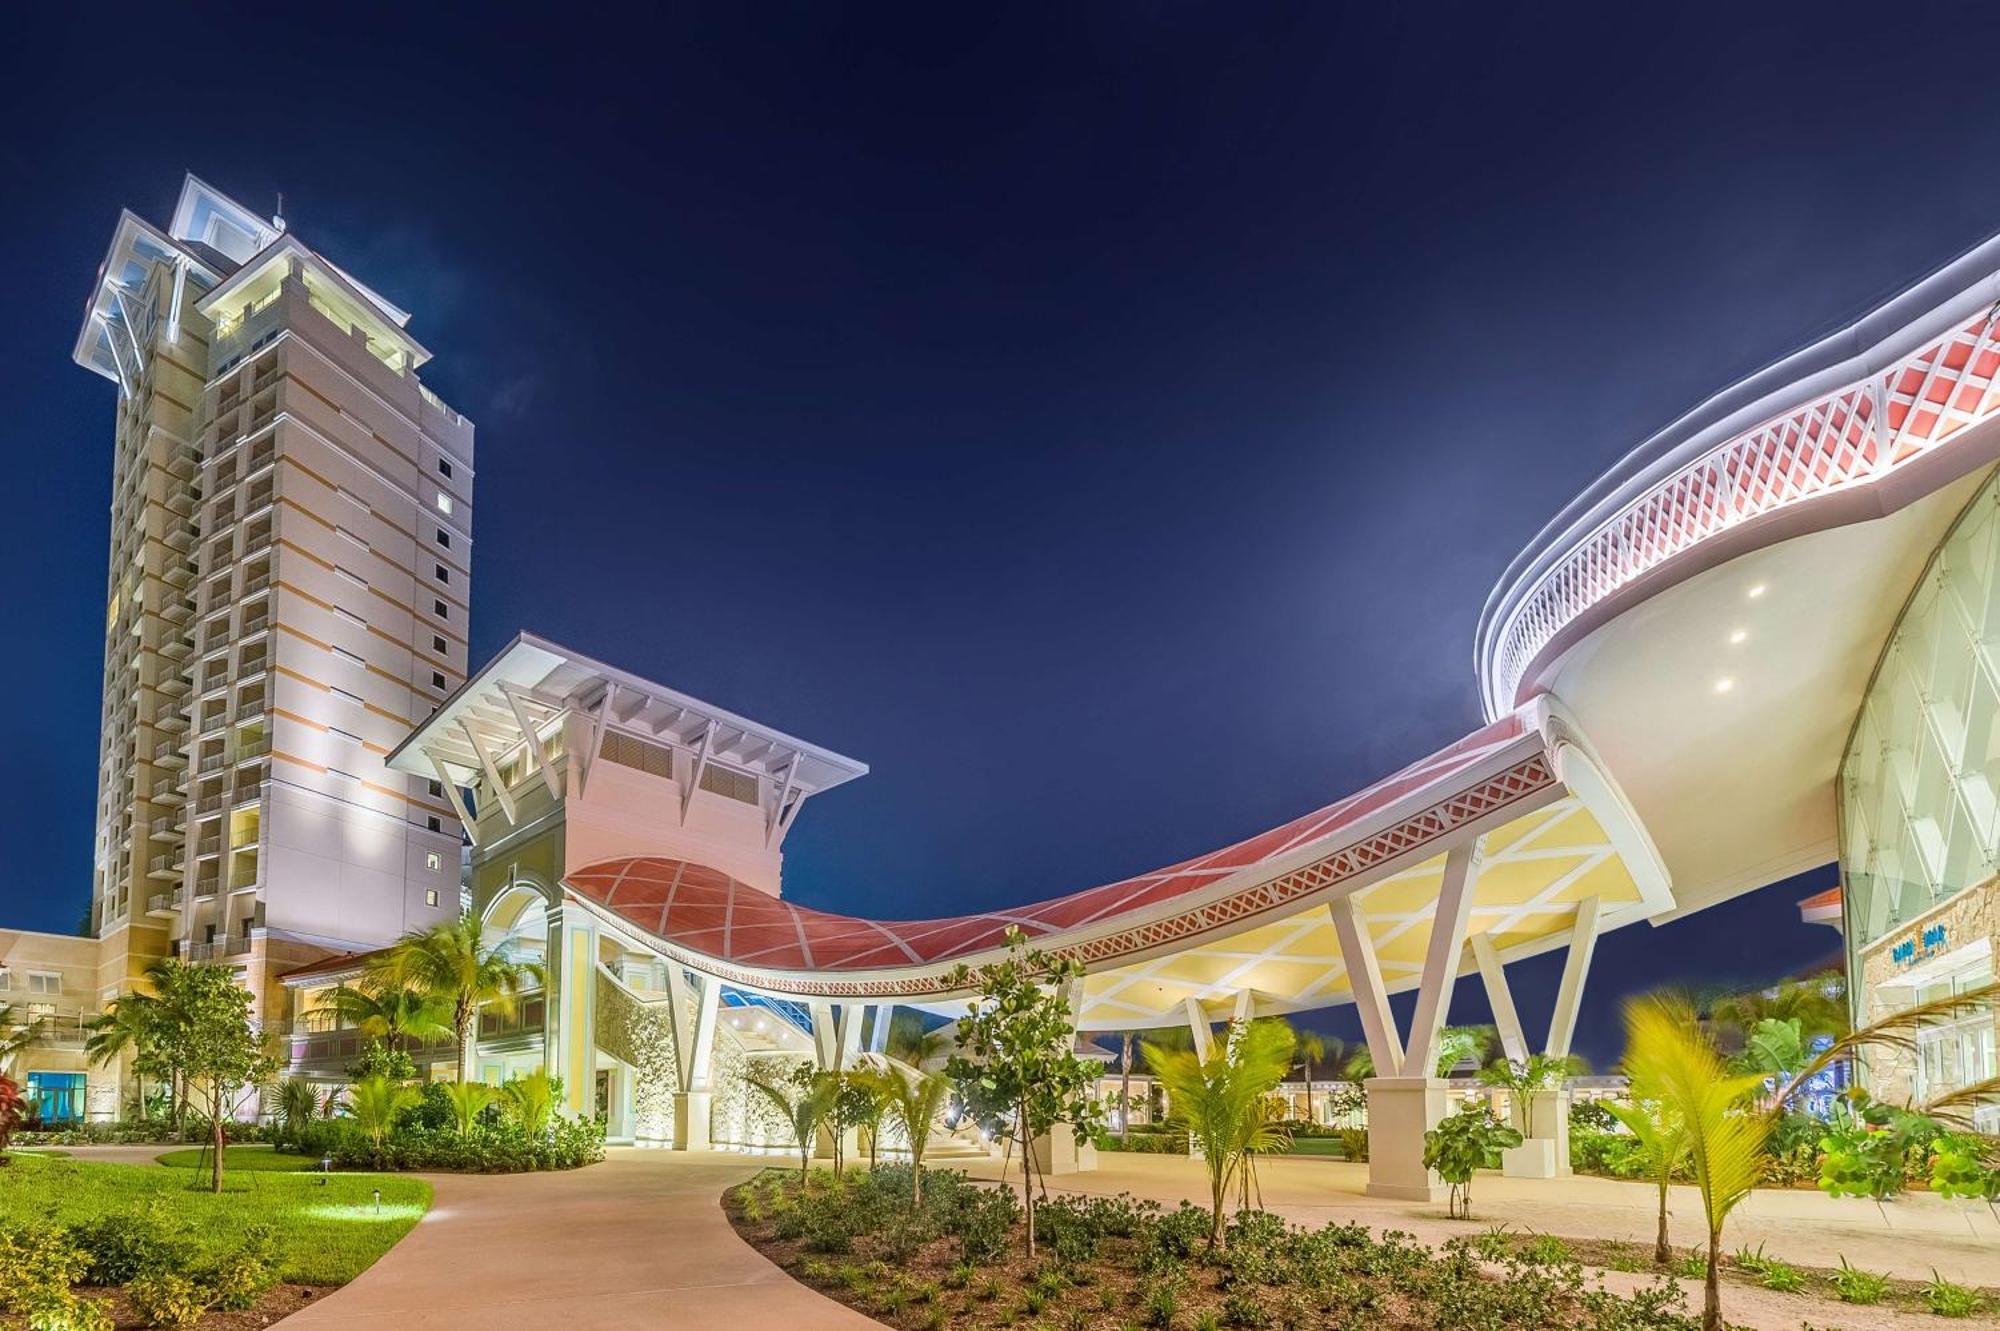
pixel 1328 1146
pixel 327 1228
pixel 251 1157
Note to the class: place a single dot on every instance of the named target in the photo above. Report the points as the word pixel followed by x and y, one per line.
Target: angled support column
pixel 1204 1035
pixel 693 1012
pixel 1500 998
pixel 826 1038
pixel 1246 1008
pixel 850 1032
pixel 878 1034
pixel 1441 960
pixel 1364 978
pixel 1576 968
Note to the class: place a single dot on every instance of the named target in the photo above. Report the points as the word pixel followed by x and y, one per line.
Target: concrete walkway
pixel 638 1241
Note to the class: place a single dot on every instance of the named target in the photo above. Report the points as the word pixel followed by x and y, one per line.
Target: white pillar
pixel 1569 996
pixel 1400 1111
pixel 1500 998
pixel 694 1055
pixel 878 1035
pixel 1443 957
pixel 1060 1150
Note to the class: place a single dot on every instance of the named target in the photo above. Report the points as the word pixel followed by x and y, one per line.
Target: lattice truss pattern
pixel 1849 437
pixel 1917 785
pixel 1534 871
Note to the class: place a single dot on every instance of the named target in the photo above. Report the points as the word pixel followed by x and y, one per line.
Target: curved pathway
pixel 638 1241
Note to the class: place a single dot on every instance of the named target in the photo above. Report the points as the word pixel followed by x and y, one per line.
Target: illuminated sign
pixel 1918 947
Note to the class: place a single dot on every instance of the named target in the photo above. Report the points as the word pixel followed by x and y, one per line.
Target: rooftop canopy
pixel 1514 830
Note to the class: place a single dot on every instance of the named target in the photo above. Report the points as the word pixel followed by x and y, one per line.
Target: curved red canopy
pixel 705 910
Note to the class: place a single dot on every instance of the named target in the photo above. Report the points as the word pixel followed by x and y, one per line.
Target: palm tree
pixel 154 1028
pixel 912 1103
pixel 127 1024
pixel 392 1013
pixel 298 1105
pixel 804 1114
pixel 374 1103
pixel 531 1100
pixel 1359 1067
pixel 1524 1080
pixel 1310 1047
pixel 1672 1060
pixel 1220 1101
pixel 1662 1144
pixel 1817 1003
pixel 454 964
pixel 468 1100
pixel 17 1033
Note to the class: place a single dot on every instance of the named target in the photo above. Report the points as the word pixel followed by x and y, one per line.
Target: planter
pixel 1534 1158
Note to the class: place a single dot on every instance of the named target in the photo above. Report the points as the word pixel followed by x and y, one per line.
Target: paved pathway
pixel 638 1241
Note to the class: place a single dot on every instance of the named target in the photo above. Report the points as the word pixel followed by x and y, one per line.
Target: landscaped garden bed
pixel 140 1245
pixel 959 1261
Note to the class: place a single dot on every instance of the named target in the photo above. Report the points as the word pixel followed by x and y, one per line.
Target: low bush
pixel 1854 1285
pixel 490 1148
pixel 138 1132
pixel 1946 1299
pixel 1145 1143
pixel 1354 1143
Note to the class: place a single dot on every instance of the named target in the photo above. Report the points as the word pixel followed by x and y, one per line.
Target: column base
pixel 1400 1111
pixel 1551 1123
pixel 691 1120
pixel 1062 1152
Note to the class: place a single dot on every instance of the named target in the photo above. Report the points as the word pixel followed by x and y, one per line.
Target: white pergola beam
pixel 486 765
pixel 1364 977
pixel 599 724
pixel 1246 1007
pixel 1441 960
pixel 451 793
pixel 1500 998
pixel 699 766
pixel 1576 968
pixel 550 776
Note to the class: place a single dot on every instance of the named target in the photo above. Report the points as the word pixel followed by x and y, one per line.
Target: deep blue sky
pixel 1104 420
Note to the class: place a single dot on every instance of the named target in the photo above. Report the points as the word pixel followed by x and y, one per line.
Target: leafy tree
pixel 221 1054
pixel 468 1100
pixel 803 1108
pixel 1016 1046
pixel 1662 1146
pixel 1673 1060
pixel 394 1014
pixel 1220 1102
pixel 374 1104
pixel 455 965
pixel 1817 1005
pixel 154 1027
pixel 1460 1145
pixel 381 1059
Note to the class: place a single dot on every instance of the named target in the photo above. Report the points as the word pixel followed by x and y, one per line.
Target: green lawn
pixel 328 1228
pixel 1315 1146
pixel 250 1156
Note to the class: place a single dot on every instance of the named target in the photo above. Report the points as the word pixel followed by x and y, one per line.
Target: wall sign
pixel 1919 947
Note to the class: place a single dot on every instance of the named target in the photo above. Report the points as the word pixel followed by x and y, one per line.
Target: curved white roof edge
pixel 1867 347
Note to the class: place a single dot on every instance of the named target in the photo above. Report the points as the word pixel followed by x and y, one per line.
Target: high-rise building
pixel 290 573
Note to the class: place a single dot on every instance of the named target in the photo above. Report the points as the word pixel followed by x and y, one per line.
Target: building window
pixel 437 643
pixel 443 574
pixel 437 679
pixel 443 502
pixel 430 896
pixel 436 789
pixel 432 862
pixel 440 609
pixel 444 538
pixel 44 982
pixel 444 468
pixel 434 823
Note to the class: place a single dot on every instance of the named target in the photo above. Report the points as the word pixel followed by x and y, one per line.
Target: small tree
pixel 1460 1145
pixel 298 1105
pixel 222 1054
pixel 1662 1147
pixel 913 1103
pixel 531 1100
pixel 374 1104
pixel 1016 1046
pixel 1523 1080
pixel 804 1108
pixel 1220 1102
pixel 468 1100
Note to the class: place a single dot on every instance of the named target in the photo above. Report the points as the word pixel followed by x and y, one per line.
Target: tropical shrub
pixel 1220 1102
pixel 122 1245
pixel 1872 1149
pixel 531 1100
pixel 1590 1116
pixel 1461 1144
pixel 1354 1143
pixel 1947 1299
pixel 13 1108
pixel 1963 1167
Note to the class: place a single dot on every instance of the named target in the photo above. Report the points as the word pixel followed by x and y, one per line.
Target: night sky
pixel 1104 420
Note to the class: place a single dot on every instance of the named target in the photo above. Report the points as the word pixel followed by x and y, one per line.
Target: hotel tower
pixel 290 571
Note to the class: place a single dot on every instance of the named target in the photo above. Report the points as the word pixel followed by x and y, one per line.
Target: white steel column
pixel 1204 1037
pixel 1364 978
pixel 1582 944
pixel 1513 1040
pixel 694 1055
pixel 878 1035
pixel 1441 961
pixel 826 1040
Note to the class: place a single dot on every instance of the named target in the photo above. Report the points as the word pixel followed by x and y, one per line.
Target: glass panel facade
pixel 1917 784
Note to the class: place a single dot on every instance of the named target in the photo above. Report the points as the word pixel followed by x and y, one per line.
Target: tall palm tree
pixel 1674 1061
pixel 392 1013
pixel 1220 1102
pixel 152 1027
pixel 1310 1047
pixel 18 1032
pixel 454 964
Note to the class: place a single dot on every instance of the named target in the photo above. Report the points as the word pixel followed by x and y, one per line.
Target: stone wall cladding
pixel 1967 918
pixel 642 1036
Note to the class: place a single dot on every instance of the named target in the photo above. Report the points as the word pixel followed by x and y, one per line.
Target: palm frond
pixel 1896 1031
pixel 1955 1107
